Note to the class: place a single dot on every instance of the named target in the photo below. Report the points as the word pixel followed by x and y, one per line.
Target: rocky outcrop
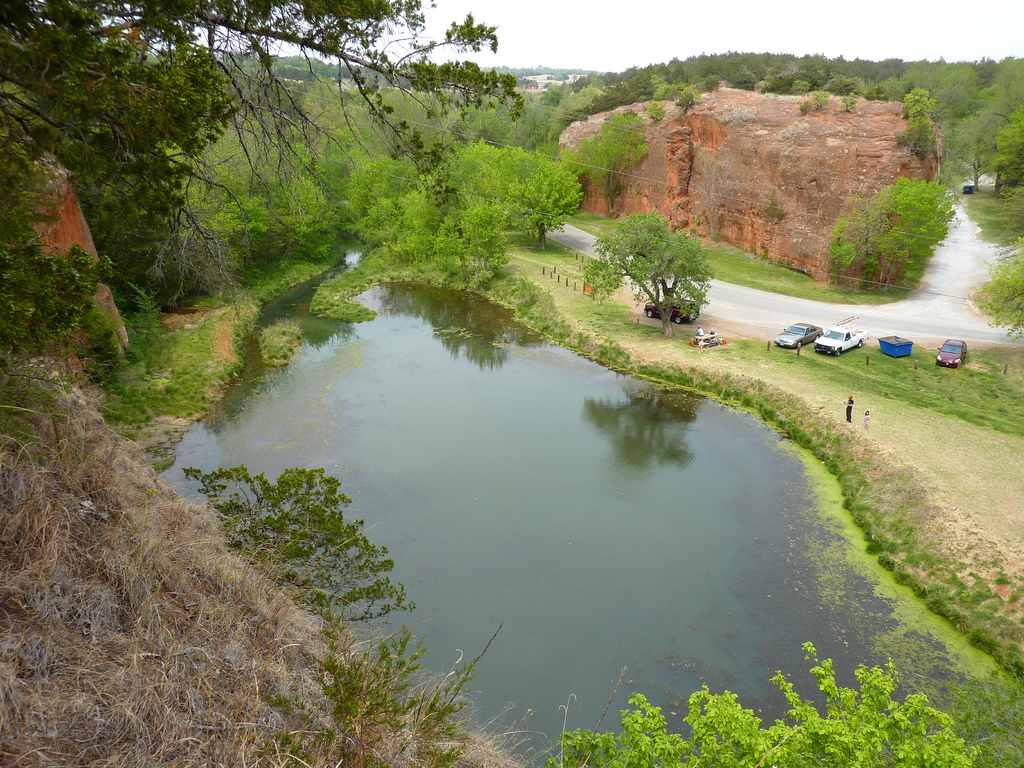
pixel 64 226
pixel 751 170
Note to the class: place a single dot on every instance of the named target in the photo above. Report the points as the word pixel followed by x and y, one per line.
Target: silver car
pixel 797 335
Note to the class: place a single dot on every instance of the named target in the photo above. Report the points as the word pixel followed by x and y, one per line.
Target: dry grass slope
pixel 129 634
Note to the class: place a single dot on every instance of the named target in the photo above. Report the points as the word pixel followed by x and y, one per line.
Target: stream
pixel 625 538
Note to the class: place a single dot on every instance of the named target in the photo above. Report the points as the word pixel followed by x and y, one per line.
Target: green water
pixel 615 531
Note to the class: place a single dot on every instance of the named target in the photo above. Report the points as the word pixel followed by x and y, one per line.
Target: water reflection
pixel 467 326
pixel 648 428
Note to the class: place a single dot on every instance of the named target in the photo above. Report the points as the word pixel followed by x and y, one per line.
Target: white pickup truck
pixel 838 339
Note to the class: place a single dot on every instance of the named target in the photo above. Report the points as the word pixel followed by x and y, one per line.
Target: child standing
pixel 867 420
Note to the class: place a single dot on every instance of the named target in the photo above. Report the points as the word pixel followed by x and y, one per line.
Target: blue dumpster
pixel 895 346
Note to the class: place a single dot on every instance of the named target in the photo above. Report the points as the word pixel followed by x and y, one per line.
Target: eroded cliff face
pixel 65 226
pixel 749 169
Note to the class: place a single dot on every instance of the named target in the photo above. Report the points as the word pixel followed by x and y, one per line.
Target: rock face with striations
pixel 749 169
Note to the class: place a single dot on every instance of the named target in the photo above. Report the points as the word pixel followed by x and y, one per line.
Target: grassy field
pixel 989 212
pixel 733 265
pixel 179 368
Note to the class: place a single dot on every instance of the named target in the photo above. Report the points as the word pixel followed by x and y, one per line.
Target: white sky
pixel 612 36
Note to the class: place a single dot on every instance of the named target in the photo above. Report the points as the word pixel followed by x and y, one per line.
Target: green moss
pixel 915 618
pixel 278 342
pixel 181 372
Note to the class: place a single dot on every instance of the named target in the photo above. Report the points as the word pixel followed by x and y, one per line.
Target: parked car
pixel 679 314
pixel 952 353
pixel 838 339
pixel 797 335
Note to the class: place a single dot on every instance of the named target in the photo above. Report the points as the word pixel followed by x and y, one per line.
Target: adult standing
pixel 849 410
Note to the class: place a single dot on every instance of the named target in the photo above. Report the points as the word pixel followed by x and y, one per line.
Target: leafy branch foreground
pixel 859 728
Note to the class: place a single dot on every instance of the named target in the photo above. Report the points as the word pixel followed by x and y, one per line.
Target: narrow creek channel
pixel 614 529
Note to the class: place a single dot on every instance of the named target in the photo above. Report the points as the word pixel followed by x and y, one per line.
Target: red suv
pixel 679 315
pixel 952 353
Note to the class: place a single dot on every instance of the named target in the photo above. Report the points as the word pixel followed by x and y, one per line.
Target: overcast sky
pixel 612 36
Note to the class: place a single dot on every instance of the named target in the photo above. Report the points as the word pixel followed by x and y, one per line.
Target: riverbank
pixel 180 363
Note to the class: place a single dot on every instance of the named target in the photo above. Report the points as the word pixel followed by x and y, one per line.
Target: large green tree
pixel 546 198
pixel 889 238
pixel 663 267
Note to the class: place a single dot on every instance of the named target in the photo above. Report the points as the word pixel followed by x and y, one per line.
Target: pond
pixel 625 538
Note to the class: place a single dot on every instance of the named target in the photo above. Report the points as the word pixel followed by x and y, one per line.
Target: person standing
pixel 867 420
pixel 849 410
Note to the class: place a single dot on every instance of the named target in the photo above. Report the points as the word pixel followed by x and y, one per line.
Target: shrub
pixel 843 85
pixel 279 341
pixel 800 87
pixel 864 725
pixel 849 102
pixel 710 83
pixel 774 211
pixel 687 97
pixel 43 296
pixel 815 102
pixel 656 111
pixel 296 527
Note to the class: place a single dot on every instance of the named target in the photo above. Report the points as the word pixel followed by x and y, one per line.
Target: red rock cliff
pixel 65 226
pixel 751 170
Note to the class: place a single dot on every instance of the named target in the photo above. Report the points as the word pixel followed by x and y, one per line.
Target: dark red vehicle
pixel 679 315
pixel 952 353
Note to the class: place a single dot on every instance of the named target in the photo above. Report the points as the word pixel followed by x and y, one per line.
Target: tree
pixel 606 157
pixel 918 108
pixel 471 243
pixel 970 145
pixel 687 97
pixel 815 102
pixel 549 195
pixel 1010 152
pixel 296 527
pixel 1003 297
pixel 891 236
pixel 130 95
pixel 664 267
pixel 860 727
